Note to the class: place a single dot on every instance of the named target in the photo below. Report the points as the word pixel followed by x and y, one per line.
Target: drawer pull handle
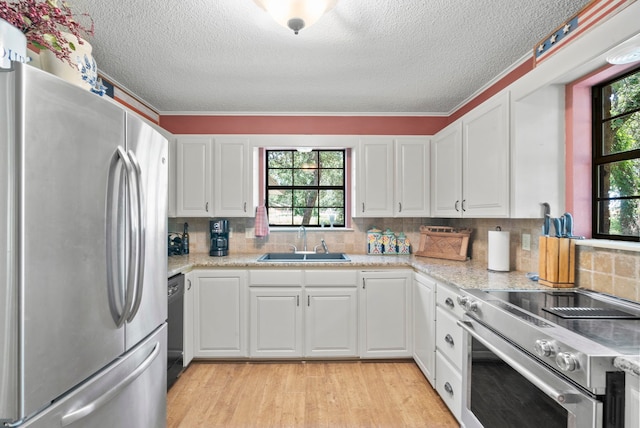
pixel 448 388
pixel 448 339
pixel 449 302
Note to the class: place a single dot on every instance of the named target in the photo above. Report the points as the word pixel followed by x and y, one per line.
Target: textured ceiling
pixel 364 56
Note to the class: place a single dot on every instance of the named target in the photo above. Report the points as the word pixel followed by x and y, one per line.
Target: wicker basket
pixel 443 242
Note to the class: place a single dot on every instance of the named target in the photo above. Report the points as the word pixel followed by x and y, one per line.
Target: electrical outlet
pixel 526 242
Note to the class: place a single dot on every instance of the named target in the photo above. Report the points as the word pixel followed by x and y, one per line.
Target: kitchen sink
pixel 304 257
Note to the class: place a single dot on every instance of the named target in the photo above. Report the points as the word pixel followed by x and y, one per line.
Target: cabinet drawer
pixel 331 277
pixel 446 298
pixel 449 385
pixel 449 337
pixel 275 277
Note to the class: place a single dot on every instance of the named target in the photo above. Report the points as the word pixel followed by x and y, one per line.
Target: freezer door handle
pixel 85 411
pixel 119 157
pixel 139 212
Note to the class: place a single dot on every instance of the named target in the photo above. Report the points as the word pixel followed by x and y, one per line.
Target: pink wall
pixel 318 125
pixel 578 144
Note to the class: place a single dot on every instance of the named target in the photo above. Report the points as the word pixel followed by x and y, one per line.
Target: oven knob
pixel 468 304
pixel 544 348
pixel 566 361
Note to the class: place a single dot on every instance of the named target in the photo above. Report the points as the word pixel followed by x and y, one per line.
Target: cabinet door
pixel 374 185
pixel 188 326
pixel 276 322
pixel 446 172
pixel 233 177
pixel 331 322
pixel 632 401
pixel 485 169
pixel 537 150
pixel 385 314
pixel 412 156
pixel 193 189
pixel 220 314
pixel 171 197
pixel 424 325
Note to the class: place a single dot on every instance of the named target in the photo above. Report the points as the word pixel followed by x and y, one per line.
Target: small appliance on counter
pixel 175 244
pixel 219 234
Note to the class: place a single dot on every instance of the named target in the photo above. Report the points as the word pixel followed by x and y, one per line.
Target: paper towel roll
pixel 498 251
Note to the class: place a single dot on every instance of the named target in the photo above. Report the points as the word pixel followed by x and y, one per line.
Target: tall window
pixel 616 158
pixel 305 188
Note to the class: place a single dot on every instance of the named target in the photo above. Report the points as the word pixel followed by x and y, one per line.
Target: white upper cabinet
pixel 171 199
pixel 194 176
pixel 485 159
pixel 232 177
pixel 537 151
pixel 446 171
pixel 392 177
pixel 412 177
pixel 214 176
pixel 480 188
pixel 374 183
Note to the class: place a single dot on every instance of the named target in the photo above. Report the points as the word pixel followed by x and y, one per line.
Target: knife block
pixel 557 262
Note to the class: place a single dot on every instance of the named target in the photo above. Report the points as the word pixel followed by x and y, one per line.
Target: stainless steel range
pixel 560 344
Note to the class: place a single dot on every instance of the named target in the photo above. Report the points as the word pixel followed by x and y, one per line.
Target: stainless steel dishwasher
pixel 175 321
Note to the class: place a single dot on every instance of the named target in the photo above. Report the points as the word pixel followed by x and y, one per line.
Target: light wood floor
pixel 312 394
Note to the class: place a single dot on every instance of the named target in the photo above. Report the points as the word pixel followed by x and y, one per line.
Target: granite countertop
pixel 458 274
pixel 628 363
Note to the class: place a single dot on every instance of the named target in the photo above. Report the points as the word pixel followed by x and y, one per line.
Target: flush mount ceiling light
pixel 296 14
pixel 626 52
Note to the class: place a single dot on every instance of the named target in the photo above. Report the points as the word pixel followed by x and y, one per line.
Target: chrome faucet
pixel 302 230
pixel 324 246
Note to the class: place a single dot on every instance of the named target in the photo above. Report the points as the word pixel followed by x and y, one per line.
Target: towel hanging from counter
pixel 262 222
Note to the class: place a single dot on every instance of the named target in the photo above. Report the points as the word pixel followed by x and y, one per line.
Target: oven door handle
pixel 562 397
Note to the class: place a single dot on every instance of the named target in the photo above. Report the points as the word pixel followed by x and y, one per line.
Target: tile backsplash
pixel 615 272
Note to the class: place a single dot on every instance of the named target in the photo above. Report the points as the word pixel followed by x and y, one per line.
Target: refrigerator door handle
pixel 140 236
pixel 118 157
pixel 85 411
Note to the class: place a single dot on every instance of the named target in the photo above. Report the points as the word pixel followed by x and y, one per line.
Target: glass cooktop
pixel 613 324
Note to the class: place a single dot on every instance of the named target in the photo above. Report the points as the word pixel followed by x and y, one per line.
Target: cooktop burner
pixel 606 313
pixel 612 322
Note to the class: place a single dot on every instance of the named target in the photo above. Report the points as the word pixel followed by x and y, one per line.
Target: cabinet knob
pixel 189 286
pixel 449 339
pixel 448 388
pixel 463 202
pixel 399 207
pixel 449 302
pixel 206 207
pixel 456 206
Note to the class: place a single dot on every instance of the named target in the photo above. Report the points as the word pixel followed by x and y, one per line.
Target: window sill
pixel 609 244
pixel 310 229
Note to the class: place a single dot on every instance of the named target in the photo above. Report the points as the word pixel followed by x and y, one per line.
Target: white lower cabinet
pixel 187 328
pixel 424 325
pixel 298 314
pixel 276 322
pixel 449 351
pixel 331 322
pixel 632 401
pixel 449 384
pixel 331 313
pixel 220 313
pixel 385 314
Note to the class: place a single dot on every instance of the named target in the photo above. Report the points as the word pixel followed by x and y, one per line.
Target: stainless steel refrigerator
pixel 83 260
